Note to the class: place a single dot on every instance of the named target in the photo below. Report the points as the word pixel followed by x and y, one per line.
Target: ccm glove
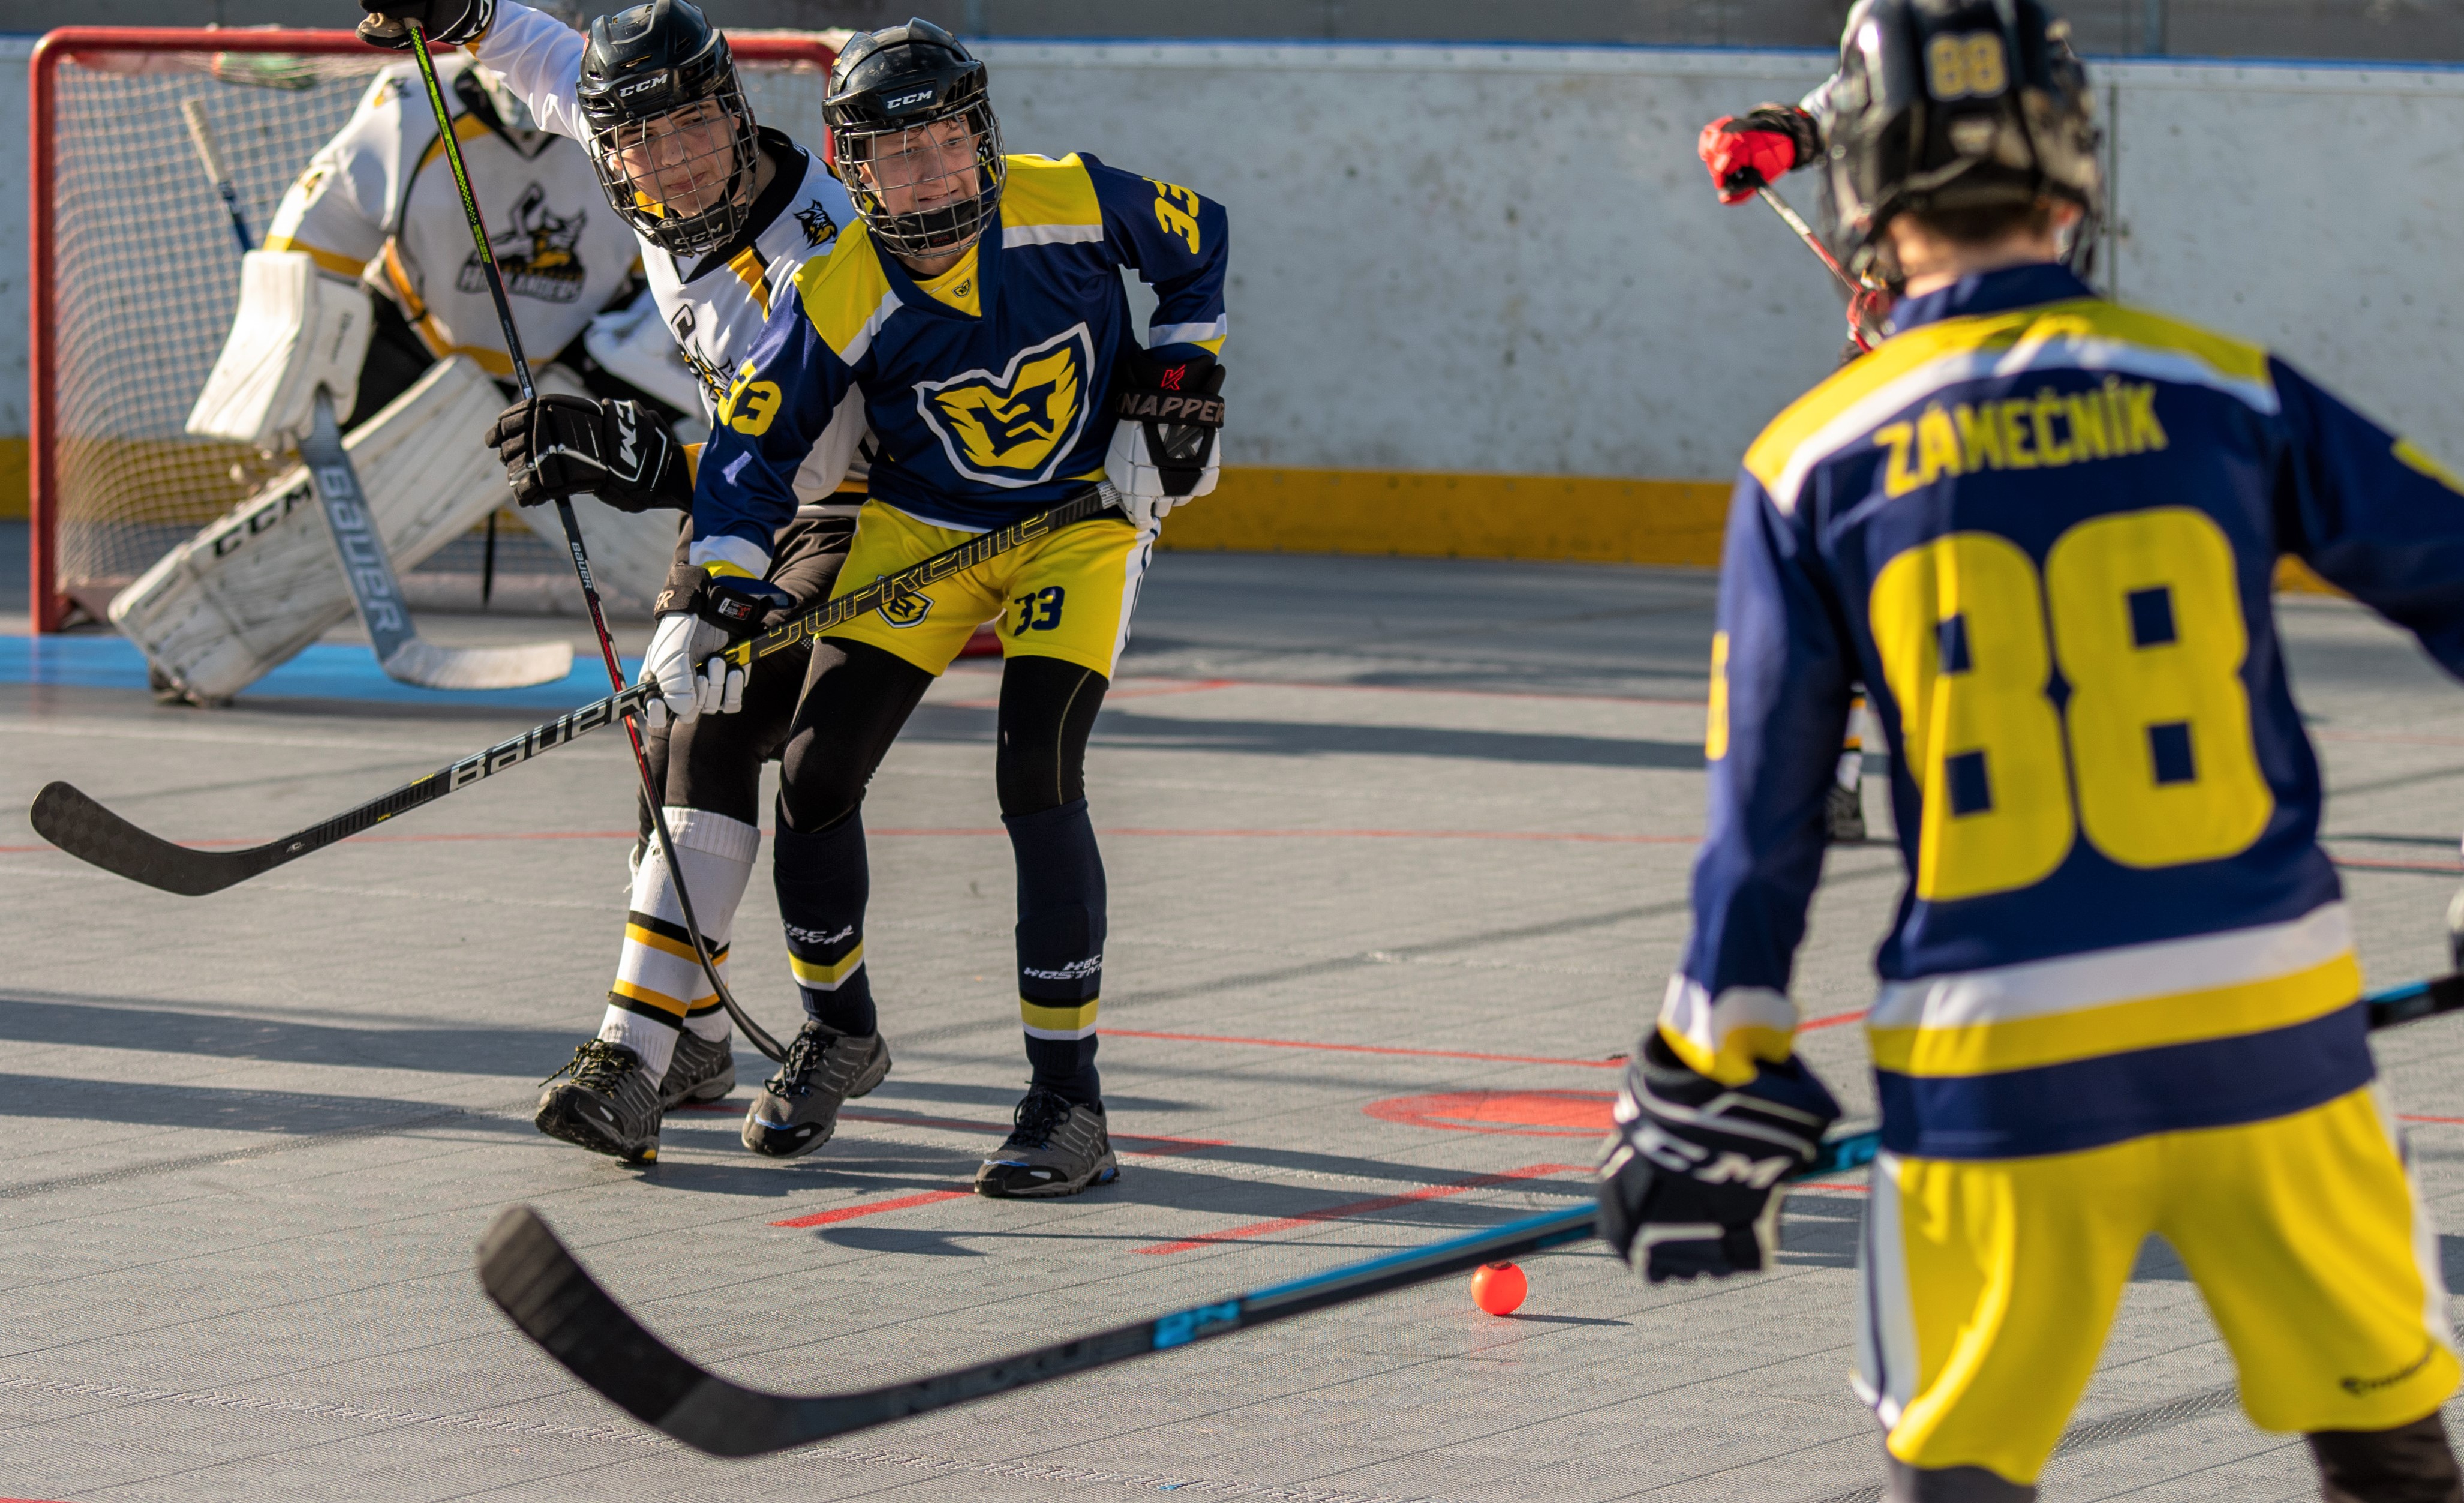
pixel 1757 149
pixel 1164 446
pixel 1690 1174
pixel 697 620
pixel 556 447
pixel 388 21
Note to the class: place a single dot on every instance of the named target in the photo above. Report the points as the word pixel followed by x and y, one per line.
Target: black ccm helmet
pixel 899 79
pixel 1942 105
pixel 671 132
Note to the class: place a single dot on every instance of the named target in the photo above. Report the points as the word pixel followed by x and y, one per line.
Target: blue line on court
pixel 324 671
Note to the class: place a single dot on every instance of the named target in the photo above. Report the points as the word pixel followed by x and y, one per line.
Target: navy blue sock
pixel 822 882
pixel 1060 946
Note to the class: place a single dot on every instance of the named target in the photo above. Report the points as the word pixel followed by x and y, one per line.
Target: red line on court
pixel 1351 1209
pixel 2434 868
pixel 851 1213
pixel 1196 685
pixel 2412 1117
pixel 1831 1020
pixel 987 831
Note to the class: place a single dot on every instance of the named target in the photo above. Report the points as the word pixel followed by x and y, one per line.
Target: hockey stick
pixel 1856 290
pixel 70 819
pixel 546 1292
pixel 404 655
pixel 653 797
pixel 201 136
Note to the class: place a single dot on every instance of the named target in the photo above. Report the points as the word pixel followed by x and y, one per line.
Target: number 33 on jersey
pixel 2041 528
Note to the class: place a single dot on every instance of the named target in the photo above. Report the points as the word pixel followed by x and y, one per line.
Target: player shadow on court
pixel 108 1022
pixel 1128 728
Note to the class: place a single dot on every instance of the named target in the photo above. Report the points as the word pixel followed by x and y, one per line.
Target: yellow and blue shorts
pixel 1069 594
pixel 1988 1285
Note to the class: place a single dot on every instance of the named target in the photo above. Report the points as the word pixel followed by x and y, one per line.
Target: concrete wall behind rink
pixel 1485 303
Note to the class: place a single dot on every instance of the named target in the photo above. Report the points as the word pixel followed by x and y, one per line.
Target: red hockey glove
pixel 1757 149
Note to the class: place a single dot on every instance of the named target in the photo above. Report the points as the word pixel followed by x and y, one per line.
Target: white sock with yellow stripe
pixel 659 985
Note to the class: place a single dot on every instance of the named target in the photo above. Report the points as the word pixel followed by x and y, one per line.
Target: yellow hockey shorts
pixel 1987 1286
pixel 1069 594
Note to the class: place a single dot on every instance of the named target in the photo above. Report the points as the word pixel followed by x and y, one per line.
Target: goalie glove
pixel 1164 446
pixel 1757 151
pixel 388 23
pixel 1689 1177
pixel 556 447
pixel 700 614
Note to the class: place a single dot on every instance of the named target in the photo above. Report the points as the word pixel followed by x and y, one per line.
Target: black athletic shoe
pixel 701 1069
pixel 799 1107
pixel 1058 1148
pixel 608 1107
pixel 1843 813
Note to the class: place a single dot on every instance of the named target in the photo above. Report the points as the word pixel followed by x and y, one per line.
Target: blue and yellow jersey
pixel 2041 527
pixel 985 384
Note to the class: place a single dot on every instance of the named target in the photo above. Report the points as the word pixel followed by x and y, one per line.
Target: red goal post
pixel 133 274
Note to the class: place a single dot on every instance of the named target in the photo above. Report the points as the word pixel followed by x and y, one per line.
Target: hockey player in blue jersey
pixel 974 315
pixel 2119 997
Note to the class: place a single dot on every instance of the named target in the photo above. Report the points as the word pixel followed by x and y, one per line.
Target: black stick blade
pixel 85 829
pixel 543 1288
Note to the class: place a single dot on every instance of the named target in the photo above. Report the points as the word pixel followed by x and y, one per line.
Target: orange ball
pixel 1498 1288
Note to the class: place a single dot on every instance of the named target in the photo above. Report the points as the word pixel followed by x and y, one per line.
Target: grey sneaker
pixel 799 1107
pixel 1843 812
pixel 1058 1148
pixel 608 1107
pixel 701 1069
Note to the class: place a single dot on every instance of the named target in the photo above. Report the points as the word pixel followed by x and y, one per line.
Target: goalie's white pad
pixel 222 609
pixel 297 329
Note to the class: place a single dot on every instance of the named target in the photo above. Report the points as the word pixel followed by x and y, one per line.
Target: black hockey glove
pixel 558 447
pixel 388 21
pixel 1689 1176
pixel 1177 406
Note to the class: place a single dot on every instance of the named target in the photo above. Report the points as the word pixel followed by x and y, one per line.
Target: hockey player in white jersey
pixel 368 285
pixel 724 212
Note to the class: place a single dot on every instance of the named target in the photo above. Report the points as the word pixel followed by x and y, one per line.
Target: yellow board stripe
pixel 1065 1019
pixel 2190 1017
pixel 826 978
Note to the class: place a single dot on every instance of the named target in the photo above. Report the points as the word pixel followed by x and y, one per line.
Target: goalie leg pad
pixel 297 329
pixel 219 611
pixel 659 981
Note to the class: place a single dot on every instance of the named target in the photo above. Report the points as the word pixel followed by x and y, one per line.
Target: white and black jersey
pixel 377 203
pixel 714 305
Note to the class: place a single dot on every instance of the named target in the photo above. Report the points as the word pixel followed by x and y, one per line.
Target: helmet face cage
pixel 671 136
pixel 1953 104
pixel 682 178
pixel 880 163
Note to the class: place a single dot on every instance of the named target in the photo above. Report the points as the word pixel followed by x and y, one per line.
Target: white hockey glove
pixel 698 619
pixel 1163 448
pixel 1690 1175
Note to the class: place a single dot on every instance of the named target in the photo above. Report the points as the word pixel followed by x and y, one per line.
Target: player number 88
pixel 2143 613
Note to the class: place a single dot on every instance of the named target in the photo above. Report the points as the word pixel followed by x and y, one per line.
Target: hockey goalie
pixel 368 289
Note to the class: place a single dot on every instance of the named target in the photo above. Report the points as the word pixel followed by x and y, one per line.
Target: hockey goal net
pixel 134 267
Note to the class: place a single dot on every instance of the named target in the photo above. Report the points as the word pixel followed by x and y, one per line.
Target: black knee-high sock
pixel 822 882
pixel 1060 945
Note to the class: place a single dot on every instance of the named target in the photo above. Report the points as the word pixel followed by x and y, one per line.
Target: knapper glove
pixel 1163 448
pixel 1757 150
pixel 1690 1174
pixel 694 624
pixel 556 447
pixel 456 21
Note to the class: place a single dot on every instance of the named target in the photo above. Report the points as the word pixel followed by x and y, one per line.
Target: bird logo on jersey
pixel 536 254
pixel 904 611
pixel 817 223
pixel 1014 428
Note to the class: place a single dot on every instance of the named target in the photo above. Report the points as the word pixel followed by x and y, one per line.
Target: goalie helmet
pixel 919 189
pixel 1942 105
pixel 671 133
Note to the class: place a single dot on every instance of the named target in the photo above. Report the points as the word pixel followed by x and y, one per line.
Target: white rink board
pixel 1388 314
